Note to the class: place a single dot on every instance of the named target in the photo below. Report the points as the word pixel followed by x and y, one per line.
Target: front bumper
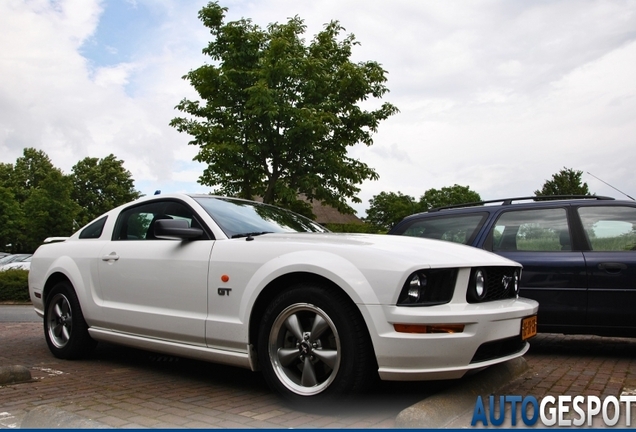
pixel 492 334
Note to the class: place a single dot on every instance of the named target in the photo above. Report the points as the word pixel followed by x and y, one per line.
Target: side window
pixel 532 230
pixel 94 230
pixel 137 223
pixel 457 229
pixel 609 228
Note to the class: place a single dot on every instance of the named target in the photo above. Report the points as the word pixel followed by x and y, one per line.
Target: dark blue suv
pixel 578 254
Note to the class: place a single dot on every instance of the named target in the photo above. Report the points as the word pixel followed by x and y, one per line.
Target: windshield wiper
pixel 251 234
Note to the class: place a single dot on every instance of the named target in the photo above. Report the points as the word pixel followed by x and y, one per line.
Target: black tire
pixel 65 329
pixel 313 346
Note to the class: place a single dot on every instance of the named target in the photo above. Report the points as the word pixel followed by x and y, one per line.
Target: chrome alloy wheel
pixel 59 320
pixel 304 349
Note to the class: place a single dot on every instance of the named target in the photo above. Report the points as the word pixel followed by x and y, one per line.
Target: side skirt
pixel 212 355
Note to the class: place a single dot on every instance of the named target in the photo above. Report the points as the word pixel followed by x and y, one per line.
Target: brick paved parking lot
pixel 124 387
pixel 574 365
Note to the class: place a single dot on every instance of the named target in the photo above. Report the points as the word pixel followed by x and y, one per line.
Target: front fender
pixel 330 266
pixel 237 281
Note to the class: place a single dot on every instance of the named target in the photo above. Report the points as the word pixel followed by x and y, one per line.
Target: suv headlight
pixel 428 288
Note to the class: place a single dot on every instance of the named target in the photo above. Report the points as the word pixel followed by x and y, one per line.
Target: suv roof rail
pixel 508 201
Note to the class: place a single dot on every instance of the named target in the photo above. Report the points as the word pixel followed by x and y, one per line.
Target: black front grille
pixel 499 348
pixel 500 283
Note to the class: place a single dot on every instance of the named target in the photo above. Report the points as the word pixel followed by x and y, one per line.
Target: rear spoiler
pixel 54 239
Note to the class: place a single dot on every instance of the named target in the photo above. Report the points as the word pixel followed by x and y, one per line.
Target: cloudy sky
pixel 495 95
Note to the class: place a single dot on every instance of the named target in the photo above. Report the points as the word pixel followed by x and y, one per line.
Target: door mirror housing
pixel 176 229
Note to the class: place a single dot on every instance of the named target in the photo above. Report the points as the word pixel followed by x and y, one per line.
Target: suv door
pixel 553 274
pixel 611 266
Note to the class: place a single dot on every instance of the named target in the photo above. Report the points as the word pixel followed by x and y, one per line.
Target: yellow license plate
pixel 528 327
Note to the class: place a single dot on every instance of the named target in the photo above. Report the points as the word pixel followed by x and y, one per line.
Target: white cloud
pixel 497 95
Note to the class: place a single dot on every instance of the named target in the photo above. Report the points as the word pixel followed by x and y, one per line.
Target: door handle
pixel 612 267
pixel 110 257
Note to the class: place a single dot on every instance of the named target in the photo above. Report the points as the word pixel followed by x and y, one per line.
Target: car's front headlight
pixel 428 288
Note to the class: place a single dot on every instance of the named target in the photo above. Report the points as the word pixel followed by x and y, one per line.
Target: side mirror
pixel 176 229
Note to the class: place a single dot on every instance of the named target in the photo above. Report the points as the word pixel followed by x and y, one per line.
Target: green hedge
pixel 14 285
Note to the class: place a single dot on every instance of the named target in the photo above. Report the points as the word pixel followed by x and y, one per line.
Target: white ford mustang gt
pixel 252 285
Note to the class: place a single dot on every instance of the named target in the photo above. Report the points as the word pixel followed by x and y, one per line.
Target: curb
pixel 443 408
pixel 50 417
pixel 14 374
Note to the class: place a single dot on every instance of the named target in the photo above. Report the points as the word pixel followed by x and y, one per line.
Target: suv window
pixel 458 229
pixel 609 228
pixel 532 230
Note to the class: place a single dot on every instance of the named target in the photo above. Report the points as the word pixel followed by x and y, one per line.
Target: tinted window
pixel 532 230
pixel 458 229
pixel 238 217
pixel 137 223
pixel 609 228
pixel 93 230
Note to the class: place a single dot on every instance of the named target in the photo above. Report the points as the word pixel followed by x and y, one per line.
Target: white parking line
pixel 8 421
pixel 49 371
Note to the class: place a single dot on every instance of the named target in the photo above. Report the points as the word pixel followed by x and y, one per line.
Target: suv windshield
pixel 240 218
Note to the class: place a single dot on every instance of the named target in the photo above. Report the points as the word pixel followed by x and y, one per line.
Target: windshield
pixel 241 218
pixel 11 258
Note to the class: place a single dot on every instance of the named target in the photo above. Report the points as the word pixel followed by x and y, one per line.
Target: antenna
pixel 611 186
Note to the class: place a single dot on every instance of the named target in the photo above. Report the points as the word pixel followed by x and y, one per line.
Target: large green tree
pixel 565 182
pixel 27 173
pixel 100 185
pixel 49 211
pixel 446 196
pixel 11 221
pixel 276 115
pixel 18 182
pixel 388 208
pixel 6 171
pixel 37 200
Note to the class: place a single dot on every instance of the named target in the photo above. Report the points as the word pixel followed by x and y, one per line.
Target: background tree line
pixel 37 200
pixel 388 208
